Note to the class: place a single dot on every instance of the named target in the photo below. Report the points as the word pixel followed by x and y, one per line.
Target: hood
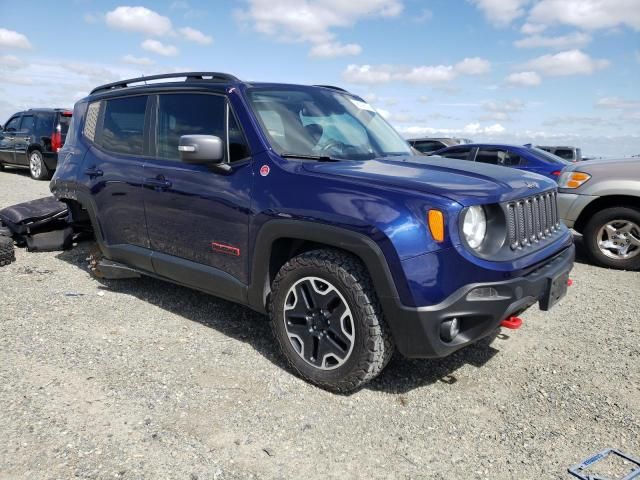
pixel 467 183
pixel 621 167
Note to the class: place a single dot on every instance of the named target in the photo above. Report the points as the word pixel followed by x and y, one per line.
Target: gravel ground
pixel 143 379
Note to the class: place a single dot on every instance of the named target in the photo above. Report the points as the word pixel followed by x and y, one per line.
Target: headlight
pixel 572 179
pixel 474 226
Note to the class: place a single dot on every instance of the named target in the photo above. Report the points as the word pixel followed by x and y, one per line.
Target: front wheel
pixel 328 322
pixel 37 168
pixel 612 238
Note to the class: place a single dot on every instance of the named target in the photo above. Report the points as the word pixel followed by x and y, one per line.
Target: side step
pixel 100 267
pixel 113 271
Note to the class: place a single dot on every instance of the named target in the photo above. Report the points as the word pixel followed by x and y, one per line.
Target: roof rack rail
pixel 215 76
pixel 332 88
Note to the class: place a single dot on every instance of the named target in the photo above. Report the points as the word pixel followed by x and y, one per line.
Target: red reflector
pixel 67 114
pixel 556 173
pixel 512 322
pixel 569 282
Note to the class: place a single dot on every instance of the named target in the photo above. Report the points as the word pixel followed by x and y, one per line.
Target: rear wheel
pixel 328 322
pixel 37 168
pixel 612 238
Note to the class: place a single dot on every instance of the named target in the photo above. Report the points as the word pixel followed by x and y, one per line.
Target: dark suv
pixel 303 203
pixel 32 139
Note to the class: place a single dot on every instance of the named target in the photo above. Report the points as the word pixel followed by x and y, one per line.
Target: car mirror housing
pixel 201 149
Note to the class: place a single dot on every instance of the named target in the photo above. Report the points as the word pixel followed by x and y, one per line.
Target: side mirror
pixel 201 149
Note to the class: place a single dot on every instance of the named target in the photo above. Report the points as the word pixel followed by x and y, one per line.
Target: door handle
pixel 93 172
pixel 159 183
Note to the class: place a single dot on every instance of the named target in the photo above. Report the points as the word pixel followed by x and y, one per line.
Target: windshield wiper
pixel 320 158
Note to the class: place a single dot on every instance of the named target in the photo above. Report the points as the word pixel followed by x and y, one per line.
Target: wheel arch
pixel 280 240
pixel 604 202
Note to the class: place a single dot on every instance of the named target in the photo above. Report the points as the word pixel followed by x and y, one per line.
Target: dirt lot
pixel 143 379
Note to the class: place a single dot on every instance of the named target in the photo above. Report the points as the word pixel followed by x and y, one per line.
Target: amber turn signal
pixel 436 225
pixel 573 179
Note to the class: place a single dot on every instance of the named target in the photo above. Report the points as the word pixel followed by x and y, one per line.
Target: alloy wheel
pixel 35 164
pixel 619 239
pixel 319 323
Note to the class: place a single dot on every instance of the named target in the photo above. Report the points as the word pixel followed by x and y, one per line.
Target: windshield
pixel 549 157
pixel 318 122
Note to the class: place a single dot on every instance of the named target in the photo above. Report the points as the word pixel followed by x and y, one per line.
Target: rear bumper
pixel 416 331
pixel 50 160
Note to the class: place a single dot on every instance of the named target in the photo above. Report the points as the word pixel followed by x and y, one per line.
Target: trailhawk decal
pixel 225 249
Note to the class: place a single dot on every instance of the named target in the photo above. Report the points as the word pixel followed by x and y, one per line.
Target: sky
pixel 548 72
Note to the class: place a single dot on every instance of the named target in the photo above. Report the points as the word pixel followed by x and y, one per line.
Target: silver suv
pixel 601 200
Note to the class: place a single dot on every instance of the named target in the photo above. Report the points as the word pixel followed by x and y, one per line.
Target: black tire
pixel 37 167
pixel 605 217
pixel 7 252
pixel 371 343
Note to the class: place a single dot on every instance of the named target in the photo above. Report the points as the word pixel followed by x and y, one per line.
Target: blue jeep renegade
pixel 303 203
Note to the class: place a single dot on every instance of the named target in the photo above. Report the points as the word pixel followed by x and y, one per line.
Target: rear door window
pixel 123 125
pixel 425 146
pixel 498 156
pixel 27 124
pixel 460 153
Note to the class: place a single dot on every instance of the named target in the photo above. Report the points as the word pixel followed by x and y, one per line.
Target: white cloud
pixel 524 79
pixel 335 49
pixel 502 110
pixel 196 36
pixel 571 62
pixel 573 40
pixel 160 48
pixel 11 62
pixel 137 60
pixel 587 14
pixel 469 129
pixel 419 75
pixel 473 66
pixel 501 12
pixel 12 39
pixel 138 19
pixel 532 28
pixel 618 103
pixel 314 21
pixel 423 99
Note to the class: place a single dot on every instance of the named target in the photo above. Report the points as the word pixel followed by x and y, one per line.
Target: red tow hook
pixel 569 282
pixel 511 322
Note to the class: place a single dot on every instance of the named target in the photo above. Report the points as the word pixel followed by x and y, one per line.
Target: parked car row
pixel 32 139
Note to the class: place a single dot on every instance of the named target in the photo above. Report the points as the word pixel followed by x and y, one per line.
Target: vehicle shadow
pixel 241 323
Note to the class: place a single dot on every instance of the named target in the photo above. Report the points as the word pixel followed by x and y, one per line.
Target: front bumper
pixel 570 205
pixel 416 331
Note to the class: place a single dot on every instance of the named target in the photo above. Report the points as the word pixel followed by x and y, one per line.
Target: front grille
pixel 532 219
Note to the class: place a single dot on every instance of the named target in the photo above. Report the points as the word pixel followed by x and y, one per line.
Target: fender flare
pixel 360 245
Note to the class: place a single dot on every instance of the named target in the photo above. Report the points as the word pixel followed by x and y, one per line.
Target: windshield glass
pixel 549 157
pixel 324 123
